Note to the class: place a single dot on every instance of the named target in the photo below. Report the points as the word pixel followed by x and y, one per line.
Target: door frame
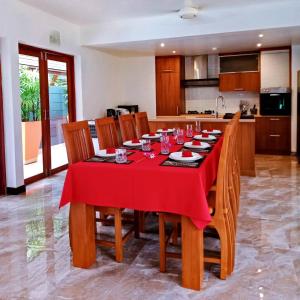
pixel 43 55
pixel 2 145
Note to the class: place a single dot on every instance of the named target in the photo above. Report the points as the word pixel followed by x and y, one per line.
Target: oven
pixel 275 102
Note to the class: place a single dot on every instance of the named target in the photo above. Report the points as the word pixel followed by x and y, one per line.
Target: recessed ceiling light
pixel 259 45
pixel 214 48
pixel 173 51
pixel 260 35
pixel 162 45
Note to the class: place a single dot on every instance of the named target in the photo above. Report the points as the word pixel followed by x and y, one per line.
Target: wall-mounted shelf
pixel 211 82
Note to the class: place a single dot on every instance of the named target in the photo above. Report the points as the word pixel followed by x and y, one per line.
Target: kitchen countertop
pixel 185 118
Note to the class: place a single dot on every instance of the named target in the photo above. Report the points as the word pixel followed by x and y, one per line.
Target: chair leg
pixel 224 253
pixel 142 221
pixel 118 236
pixel 162 244
pixel 136 224
pixel 175 234
pixel 70 232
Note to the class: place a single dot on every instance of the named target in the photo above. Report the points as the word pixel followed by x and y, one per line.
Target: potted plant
pixel 31 113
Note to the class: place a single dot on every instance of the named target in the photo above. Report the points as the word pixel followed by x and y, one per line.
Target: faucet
pixel 220 97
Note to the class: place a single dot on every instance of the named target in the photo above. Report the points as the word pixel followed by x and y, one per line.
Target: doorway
pixel 47 93
pixel 2 148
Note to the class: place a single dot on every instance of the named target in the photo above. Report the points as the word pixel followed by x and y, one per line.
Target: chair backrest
pixel 142 125
pixel 78 141
pixel 107 133
pixel 127 127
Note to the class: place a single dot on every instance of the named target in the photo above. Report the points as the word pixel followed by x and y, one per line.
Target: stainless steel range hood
pixel 201 70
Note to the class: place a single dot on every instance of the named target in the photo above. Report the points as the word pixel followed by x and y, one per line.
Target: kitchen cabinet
pixel 273 135
pixel 242 81
pixel 275 68
pixel 170 96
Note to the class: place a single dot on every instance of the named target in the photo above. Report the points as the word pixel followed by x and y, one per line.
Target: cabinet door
pixel 250 81
pixel 229 82
pixel 167 94
pixel 167 64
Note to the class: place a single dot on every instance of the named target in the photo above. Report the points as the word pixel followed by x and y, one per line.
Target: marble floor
pixel 35 256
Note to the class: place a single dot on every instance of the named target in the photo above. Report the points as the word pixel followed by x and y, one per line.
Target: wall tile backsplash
pixel 204 98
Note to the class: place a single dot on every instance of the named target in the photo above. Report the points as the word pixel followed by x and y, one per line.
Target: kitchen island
pixel 246 134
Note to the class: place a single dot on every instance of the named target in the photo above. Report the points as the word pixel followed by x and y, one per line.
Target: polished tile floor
pixel 35 256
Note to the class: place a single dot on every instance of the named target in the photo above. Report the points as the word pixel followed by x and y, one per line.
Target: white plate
pixel 209 138
pixel 103 153
pixel 178 156
pixel 147 136
pixel 215 131
pixel 202 146
pixel 130 144
pixel 169 130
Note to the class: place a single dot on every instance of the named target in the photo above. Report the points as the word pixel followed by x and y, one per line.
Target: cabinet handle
pixel 168 71
pixel 274 119
pixel 275 135
pixel 238 89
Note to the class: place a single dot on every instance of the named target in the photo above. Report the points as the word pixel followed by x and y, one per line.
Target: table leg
pixel 82 227
pixel 192 255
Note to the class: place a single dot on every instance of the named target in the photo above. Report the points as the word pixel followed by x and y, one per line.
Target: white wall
pixel 204 98
pixel 295 69
pixel 22 23
pixel 138 83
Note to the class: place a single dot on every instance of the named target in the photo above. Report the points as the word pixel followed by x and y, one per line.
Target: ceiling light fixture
pixel 173 51
pixel 260 35
pixel 259 45
pixel 162 45
pixel 188 12
pixel 214 48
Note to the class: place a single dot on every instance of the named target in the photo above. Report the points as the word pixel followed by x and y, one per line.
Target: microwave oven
pixel 275 102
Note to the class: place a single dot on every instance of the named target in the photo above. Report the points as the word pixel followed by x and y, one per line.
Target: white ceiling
pixel 85 12
pixel 225 42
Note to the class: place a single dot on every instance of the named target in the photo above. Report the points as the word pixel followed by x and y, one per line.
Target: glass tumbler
pixel 189 130
pixel 198 126
pixel 146 145
pixel 180 137
pixel 164 145
pixel 121 156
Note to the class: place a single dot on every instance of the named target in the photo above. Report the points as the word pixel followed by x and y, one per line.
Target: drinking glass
pixel 180 137
pixel 189 130
pixel 121 156
pixel 198 126
pixel 146 145
pixel 164 145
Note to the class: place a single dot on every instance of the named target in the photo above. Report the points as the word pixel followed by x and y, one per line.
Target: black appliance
pixel 131 108
pixel 275 102
pixel 111 112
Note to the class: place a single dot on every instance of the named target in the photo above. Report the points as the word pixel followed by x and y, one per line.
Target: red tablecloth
pixel 145 185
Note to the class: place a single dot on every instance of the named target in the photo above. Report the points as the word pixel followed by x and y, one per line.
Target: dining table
pixel 145 183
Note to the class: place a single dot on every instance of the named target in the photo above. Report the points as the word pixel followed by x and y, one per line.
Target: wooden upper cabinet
pixel 170 98
pixel 243 81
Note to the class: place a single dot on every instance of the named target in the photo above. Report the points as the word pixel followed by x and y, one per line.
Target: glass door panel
pixel 58 110
pixel 29 74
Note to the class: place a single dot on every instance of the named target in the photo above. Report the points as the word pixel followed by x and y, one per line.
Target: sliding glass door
pixel 47 101
pixel 2 148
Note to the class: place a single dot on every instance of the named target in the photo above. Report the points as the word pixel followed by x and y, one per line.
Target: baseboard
pixel 16 191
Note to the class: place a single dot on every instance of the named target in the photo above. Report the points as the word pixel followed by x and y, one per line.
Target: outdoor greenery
pixel 30 94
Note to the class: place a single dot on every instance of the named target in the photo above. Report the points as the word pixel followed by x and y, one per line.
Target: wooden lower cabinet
pixel 273 135
pixel 246 139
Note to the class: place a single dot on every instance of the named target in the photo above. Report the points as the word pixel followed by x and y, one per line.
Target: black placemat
pixel 100 159
pixel 173 163
pixel 207 150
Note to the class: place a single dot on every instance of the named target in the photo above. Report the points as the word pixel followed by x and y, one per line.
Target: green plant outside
pixel 30 94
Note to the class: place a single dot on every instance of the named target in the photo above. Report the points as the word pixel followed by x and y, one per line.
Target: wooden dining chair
pixel 222 217
pixel 107 133
pixel 142 124
pixel 127 127
pixel 79 148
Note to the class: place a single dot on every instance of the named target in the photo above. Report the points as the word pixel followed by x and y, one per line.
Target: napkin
pixel 165 129
pixel 110 151
pixel 152 134
pixel 205 135
pixel 196 143
pixel 135 141
pixel 187 154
